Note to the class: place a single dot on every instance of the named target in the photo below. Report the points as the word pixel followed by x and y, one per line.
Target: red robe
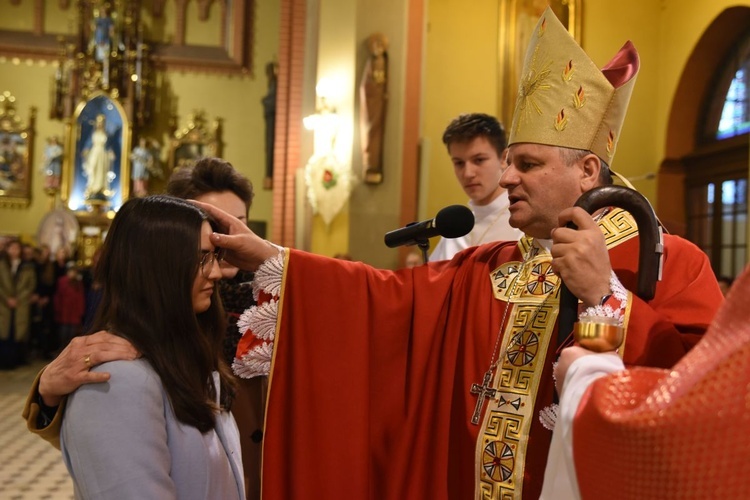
pixel 677 433
pixel 369 390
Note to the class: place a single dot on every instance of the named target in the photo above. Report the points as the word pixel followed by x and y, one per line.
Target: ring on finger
pixel 87 361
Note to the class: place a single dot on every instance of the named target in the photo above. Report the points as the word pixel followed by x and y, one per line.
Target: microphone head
pixel 454 221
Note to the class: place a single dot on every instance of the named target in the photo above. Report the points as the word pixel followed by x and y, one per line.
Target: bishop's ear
pixel 591 166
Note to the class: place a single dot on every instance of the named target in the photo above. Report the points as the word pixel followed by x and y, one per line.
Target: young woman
pixel 160 428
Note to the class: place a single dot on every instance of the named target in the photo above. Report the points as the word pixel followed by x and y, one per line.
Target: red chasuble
pixel 677 433
pixel 369 390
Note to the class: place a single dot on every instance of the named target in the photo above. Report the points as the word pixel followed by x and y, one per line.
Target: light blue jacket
pixel 121 440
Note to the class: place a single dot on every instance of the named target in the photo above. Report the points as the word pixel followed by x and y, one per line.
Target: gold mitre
pixel 565 100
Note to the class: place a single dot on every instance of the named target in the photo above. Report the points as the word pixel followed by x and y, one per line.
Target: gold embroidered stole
pixel 532 290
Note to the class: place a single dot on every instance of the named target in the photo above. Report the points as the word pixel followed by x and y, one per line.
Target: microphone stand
pixel 424 245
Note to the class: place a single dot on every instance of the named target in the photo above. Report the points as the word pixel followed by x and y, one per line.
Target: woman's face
pixel 203 286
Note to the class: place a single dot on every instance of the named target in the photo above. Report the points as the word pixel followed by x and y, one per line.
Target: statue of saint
pixel 373 98
pixel 52 166
pixel 96 166
pixel 140 167
pixel 269 114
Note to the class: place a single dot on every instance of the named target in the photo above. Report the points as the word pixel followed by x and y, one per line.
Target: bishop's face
pixel 540 185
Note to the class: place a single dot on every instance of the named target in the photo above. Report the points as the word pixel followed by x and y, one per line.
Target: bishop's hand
pixel 245 249
pixel 580 257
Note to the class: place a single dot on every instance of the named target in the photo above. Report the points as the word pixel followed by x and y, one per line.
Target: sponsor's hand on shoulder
pixel 71 368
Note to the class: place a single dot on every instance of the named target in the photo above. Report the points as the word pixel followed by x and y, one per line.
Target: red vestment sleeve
pixel 661 331
pixel 366 373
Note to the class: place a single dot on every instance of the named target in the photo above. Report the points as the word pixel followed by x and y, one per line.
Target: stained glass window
pixel 735 118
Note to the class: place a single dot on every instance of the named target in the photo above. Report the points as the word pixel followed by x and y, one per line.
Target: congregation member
pixel 69 304
pixel 17 286
pixel 476 144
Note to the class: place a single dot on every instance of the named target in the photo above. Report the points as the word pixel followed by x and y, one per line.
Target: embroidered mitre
pixel 565 100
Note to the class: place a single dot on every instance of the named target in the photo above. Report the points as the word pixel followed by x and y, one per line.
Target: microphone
pixel 450 222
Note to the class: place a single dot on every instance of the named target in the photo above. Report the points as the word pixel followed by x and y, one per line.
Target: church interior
pixel 275 87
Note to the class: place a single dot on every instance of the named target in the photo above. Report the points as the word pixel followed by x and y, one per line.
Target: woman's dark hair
pixel 148 265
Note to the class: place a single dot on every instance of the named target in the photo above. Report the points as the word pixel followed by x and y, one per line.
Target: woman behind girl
pixel 160 428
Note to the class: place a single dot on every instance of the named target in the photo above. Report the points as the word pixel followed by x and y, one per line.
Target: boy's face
pixel 478 168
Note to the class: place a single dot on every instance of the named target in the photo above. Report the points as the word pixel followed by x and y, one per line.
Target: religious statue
pixel 140 167
pixel 373 98
pixel 96 166
pixel 104 26
pixel 269 114
pixel 52 166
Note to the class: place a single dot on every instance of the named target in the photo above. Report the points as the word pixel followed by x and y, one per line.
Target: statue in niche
pixel 96 166
pixel 373 98
pixel 140 167
pixel 269 115
pixel 52 166
pixel 104 28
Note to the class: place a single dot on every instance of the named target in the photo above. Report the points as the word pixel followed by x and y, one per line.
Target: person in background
pixel 17 286
pixel 69 303
pixel 161 426
pixel 45 291
pixel 477 146
pixel 93 290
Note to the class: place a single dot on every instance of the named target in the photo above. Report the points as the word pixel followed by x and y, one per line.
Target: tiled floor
pixel 30 469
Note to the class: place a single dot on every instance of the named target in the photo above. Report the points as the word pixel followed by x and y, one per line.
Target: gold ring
pixel 87 361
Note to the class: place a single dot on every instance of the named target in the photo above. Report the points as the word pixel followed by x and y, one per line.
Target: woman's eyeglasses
pixel 208 259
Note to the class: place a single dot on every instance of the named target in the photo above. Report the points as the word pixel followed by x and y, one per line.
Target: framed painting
pixel 516 24
pixel 98 146
pixel 16 154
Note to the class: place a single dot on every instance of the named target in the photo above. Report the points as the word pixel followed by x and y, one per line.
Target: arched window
pixel 717 171
pixel 735 118
pixel 727 109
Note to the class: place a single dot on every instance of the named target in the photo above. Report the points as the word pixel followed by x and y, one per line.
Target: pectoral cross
pixel 482 391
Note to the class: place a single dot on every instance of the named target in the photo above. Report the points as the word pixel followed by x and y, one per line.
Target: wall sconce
pixel 327 178
pixel 325 119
